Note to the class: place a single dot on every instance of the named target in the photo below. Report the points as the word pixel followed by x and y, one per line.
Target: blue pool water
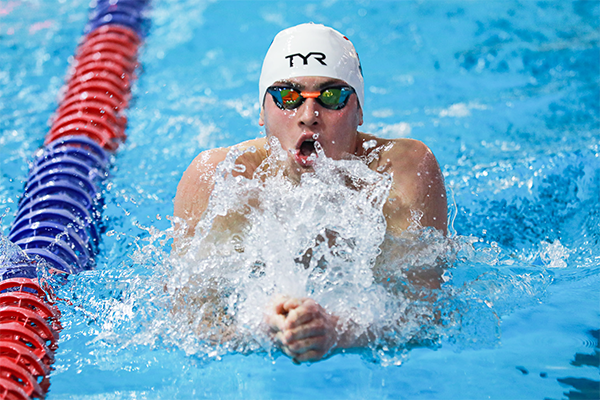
pixel 505 93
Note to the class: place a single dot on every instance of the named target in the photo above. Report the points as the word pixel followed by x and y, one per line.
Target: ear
pixel 261 117
pixel 360 116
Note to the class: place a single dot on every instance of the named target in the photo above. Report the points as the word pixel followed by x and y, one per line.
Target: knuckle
pixel 318 324
pixel 295 346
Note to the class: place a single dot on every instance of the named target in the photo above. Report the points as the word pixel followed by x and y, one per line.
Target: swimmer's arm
pixel 417 190
pixel 195 188
pixel 198 181
pixel 418 197
pixel 431 198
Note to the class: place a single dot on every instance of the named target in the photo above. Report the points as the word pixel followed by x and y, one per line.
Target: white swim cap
pixel 311 50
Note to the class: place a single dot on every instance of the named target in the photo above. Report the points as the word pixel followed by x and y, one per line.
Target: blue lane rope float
pixel 57 219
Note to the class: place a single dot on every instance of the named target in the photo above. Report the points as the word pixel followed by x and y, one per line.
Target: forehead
pixel 311 82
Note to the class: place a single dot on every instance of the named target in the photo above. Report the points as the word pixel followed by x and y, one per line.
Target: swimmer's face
pixel 298 129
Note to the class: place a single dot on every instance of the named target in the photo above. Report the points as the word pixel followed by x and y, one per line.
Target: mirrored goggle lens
pixel 335 98
pixel 290 98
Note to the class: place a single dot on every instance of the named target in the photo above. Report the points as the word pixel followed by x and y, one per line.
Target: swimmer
pixel 312 96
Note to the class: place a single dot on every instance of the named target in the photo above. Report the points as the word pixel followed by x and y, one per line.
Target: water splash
pixel 323 237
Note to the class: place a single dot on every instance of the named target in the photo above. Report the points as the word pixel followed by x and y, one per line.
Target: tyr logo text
pixel 320 57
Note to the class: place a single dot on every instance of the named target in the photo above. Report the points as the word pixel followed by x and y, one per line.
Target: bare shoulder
pixel 412 160
pixel 418 184
pixel 197 182
pixel 404 156
pixel 195 186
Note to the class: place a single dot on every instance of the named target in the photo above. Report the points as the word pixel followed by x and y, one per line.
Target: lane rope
pixel 57 219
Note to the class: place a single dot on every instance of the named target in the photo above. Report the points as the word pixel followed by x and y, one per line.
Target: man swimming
pixel 312 98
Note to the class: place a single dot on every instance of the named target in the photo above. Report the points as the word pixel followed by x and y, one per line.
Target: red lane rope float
pixel 99 88
pixel 116 30
pixel 87 98
pixel 25 380
pixel 28 336
pixel 99 84
pixel 96 109
pixel 121 83
pixel 23 356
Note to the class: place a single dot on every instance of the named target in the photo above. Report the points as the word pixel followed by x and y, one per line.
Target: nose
pixel 309 113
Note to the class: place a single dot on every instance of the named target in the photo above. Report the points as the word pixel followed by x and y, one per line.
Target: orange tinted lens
pixel 289 96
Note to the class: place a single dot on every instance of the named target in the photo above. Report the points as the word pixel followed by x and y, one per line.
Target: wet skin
pixel 303 329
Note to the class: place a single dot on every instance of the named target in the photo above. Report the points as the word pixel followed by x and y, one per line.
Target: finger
pixel 291 304
pixel 280 340
pixel 312 355
pixel 286 350
pixel 278 308
pixel 299 347
pixel 278 304
pixel 299 316
pixel 275 322
pixel 313 329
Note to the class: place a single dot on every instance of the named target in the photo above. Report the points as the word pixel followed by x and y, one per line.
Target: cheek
pixel 347 119
pixel 274 119
pixel 278 124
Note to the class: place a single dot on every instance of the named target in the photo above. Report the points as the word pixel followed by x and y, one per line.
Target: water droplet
pixel 369 144
pixel 241 168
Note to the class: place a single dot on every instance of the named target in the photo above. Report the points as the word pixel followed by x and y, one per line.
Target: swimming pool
pixel 504 93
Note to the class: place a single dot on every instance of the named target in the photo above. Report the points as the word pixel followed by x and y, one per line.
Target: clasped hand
pixel 303 329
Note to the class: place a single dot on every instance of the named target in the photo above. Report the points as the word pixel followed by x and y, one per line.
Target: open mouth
pixel 307 148
pixel 306 152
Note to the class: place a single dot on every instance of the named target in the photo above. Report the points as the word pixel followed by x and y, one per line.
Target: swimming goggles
pixel 332 98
